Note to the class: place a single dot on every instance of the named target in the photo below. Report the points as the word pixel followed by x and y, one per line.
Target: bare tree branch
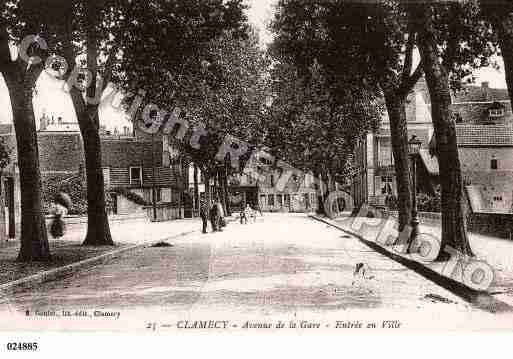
pixel 406 86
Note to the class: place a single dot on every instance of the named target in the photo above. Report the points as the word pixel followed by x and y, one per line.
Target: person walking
pixel 220 210
pixel 248 213
pixel 204 213
pixel 243 218
pixel 214 217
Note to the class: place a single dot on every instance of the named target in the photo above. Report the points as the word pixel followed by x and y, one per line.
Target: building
pixel 56 124
pixel 132 168
pixel 485 145
pixel 484 131
pixel 374 177
pixel 297 195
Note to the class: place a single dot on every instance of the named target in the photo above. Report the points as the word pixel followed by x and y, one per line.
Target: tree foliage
pixel 324 95
pixel 310 128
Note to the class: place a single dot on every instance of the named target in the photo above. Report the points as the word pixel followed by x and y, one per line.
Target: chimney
pixel 485 85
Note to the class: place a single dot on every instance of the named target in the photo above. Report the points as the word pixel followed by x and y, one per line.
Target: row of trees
pixel 335 67
pixel 370 47
pixel 133 44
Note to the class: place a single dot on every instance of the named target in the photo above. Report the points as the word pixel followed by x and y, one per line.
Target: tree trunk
pixel 396 109
pixel 504 30
pixel 98 229
pixel 3 226
pixel 320 193
pixel 453 217
pixel 226 189
pixel 196 191
pixel 34 238
pixel 220 188
pixel 208 190
pixel 21 80
pixel 324 180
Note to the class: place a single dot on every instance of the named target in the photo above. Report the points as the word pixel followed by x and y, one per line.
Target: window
pixel 106 176
pixel 497 198
pixel 496 112
pixel 262 200
pixel 306 197
pixel 494 164
pixel 158 195
pixel 135 175
pixel 287 200
pixel 386 185
pixel 279 200
pixel 385 152
pixel 270 200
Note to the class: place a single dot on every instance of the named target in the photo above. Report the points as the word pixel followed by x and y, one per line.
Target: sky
pixel 52 99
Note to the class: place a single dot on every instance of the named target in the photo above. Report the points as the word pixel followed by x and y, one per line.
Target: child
pixel 62 203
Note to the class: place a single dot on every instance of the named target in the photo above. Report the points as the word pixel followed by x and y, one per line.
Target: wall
pixel 128 207
pixel 476 171
pixel 493 224
pixel 478 158
pixel 498 225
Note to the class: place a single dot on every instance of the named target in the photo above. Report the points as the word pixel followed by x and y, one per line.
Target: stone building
pixel 484 130
pixel 374 178
pixel 299 194
pixel 132 167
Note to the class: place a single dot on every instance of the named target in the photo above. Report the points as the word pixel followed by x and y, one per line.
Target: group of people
pixel 248 214
pixel 215 212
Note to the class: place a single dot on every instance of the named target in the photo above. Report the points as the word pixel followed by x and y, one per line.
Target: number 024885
pixel 21 346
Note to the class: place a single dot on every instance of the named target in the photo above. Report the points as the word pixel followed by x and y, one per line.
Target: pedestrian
pixel 61 206
pixel 258 209
pixel 214 217
pixel 204 213
pixel 220 210
pixel 243 218
pixel 248 213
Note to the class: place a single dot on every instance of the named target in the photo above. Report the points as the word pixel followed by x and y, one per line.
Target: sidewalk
pixel 497 253
pixel 68 249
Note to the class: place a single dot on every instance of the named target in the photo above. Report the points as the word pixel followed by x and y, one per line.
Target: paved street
pixel 283 265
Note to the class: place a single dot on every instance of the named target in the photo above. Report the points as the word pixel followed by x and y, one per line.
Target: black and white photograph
pixel 289 167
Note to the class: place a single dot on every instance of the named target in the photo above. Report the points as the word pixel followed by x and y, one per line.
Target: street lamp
pixel 413 150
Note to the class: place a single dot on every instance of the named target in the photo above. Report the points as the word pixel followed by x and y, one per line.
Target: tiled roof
pixel 480 94
pixel 484 135
pixel 60 151
pixel 127 153
pixel 64 151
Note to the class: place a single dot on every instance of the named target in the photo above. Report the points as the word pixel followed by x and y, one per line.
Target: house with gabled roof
pixel 132 168
pixel 484 130
pixel 373 179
